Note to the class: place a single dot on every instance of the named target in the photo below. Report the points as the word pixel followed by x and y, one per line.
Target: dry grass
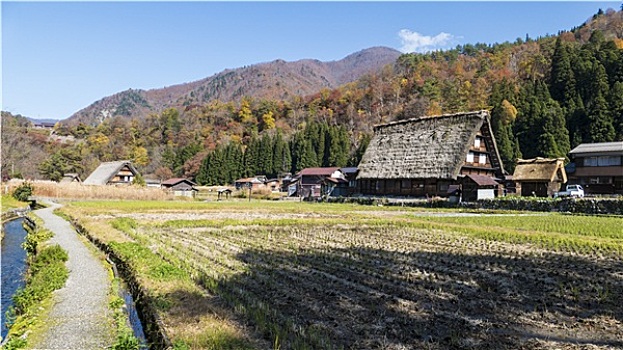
pixel 308 275
pixel 53 189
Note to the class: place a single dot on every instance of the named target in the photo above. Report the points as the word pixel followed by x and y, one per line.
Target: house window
pixel 482 159
pixel 590 161
pixel 443 187
pixel 609 161
pixel 477 142
pixel 470 157
pixel 602 161
pixel 600 180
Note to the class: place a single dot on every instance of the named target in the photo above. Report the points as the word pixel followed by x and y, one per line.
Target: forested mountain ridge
pixel 276 80
pixel 545 95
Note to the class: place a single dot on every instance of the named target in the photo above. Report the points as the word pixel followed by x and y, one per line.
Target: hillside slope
pixel 274 80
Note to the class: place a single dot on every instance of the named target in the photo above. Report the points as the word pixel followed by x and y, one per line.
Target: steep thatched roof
pixel 540 169
pixel 106 171
pixel 419 148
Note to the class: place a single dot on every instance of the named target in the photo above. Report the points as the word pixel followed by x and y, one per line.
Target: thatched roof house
pixel 112 173
pixel 423 156
pixel 539 177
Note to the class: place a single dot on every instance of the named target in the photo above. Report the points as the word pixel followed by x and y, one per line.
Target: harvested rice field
pixel 336 276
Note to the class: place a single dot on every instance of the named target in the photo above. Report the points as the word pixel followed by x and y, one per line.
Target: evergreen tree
pixel 541 127
pixel 562 85
pixel 265 164
pixel 235 160
pixel 251 157
pixel 503 117
pixel 282 160
pixel 202 173
pixel 601 128
pixel 616 108
pixel 502 136
pixel 339 145
pixel 578 123
pixel 303 155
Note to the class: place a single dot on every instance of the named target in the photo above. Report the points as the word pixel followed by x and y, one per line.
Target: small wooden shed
pixel 475 187
pixel 540 177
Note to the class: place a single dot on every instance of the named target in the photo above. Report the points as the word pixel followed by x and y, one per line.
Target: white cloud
pixel 416 42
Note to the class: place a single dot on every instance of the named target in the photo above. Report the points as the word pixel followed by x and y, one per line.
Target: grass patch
pixel 10 203
pixel 125 225
pixel 47 272
pixel 147 263
pixel 557 232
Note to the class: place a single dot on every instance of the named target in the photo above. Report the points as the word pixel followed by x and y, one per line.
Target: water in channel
pixel 135 322
pixel 12 265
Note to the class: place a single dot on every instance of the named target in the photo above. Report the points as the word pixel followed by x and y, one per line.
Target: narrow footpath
pixel 79 317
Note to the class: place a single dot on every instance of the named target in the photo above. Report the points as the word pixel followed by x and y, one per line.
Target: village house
pixel 254 183
pixel 43 125
pixel 154 183
pixel 180 187
pixel 70 177
pixel 113 173
pixel 540 177
pixel 317 182
pixel 350 173
pixel 273 184
pixel 425 156
pixel 598 167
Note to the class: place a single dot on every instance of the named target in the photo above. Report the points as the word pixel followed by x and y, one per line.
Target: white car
pixel 571 191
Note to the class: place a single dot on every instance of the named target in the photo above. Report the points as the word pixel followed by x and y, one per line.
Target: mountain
pixel 276 80
pixel 545 95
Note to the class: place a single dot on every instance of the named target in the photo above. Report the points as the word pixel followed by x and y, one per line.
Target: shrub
pixel 23 191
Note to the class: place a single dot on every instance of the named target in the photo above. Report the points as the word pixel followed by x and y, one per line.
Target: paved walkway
pixel 79 318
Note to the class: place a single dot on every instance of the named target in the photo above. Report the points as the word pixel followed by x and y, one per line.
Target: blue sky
pixel 59 57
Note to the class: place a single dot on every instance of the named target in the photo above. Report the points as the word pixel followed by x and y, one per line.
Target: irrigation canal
pixel 12 265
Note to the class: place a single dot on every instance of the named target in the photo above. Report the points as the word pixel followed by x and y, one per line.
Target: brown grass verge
pixel 53 189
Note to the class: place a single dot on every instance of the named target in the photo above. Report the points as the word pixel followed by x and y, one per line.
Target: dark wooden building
pixel 598 167
pixel 180 187
pixel 425 156
pixel 317 182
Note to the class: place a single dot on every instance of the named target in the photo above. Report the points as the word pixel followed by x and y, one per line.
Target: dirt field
pixel 368 278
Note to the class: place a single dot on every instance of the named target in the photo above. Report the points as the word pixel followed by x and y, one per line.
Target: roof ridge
pixel 480 113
